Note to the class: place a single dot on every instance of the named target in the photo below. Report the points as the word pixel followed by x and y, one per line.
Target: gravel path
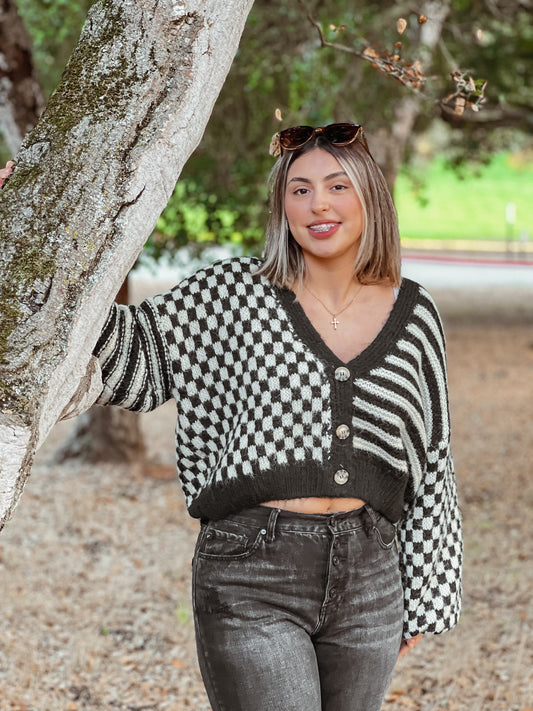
pixel 95 565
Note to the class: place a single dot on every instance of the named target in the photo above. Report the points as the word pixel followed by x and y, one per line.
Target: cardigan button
pixel 342 374
pixel 342 431
pixel 341 476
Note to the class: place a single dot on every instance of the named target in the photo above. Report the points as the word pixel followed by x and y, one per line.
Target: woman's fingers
pixel 6 172
pixel 408 644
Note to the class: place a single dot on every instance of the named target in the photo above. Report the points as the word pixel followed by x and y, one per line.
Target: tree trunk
pixel 21 98
pixel 89 184
pixel 389 147
pixel 92 442
pixel 106 434
pixel 98 434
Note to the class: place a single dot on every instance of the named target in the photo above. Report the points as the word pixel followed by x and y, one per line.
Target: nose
pixel 320 202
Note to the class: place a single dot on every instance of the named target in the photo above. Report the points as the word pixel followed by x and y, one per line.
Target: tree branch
pixel 492 117
pixel 406 72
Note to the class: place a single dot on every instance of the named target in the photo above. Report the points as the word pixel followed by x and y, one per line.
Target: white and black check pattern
pixel 431 550
pixel 258 403
pixel 245 356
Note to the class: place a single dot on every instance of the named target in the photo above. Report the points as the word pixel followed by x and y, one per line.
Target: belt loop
pixel 372 514
pixel 271 525
pixel 372 519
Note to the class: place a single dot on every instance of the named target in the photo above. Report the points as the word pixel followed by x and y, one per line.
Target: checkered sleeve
pixel 431 550
pixel 133 358
pixel 429 533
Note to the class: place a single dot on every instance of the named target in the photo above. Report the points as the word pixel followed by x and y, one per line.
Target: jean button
pixel 335 560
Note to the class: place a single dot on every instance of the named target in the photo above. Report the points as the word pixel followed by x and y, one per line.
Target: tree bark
pixel 89 184
pixel 21 98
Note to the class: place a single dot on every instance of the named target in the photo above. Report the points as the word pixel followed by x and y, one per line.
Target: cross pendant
pixel 335 323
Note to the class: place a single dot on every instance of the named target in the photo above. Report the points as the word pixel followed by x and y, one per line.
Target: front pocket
pixel 220 542
pixel 385 533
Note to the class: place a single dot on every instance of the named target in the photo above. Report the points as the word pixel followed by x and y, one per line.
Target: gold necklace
pixel 335 322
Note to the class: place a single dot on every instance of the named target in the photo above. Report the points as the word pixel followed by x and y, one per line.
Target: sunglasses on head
pixel 338 134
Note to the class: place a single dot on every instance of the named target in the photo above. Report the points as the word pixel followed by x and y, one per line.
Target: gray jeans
pixel 297 612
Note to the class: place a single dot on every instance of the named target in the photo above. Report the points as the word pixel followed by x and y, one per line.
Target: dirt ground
pixel 95 564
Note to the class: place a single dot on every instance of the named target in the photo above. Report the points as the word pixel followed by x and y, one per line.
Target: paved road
pixel 432 270
pixel 456 272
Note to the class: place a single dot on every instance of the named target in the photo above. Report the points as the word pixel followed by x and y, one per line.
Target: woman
pixel 312 440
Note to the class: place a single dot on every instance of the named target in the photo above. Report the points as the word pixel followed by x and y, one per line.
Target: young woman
pixel 312 440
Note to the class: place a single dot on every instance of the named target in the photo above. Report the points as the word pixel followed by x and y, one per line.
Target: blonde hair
pixel 378 256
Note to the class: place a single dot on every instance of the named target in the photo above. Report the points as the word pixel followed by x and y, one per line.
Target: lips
pixel 323 229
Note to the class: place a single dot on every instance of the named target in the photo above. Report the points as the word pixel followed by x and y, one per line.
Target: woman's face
pixel 324 212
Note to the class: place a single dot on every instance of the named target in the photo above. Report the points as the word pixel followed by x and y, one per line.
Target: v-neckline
pixel 368 357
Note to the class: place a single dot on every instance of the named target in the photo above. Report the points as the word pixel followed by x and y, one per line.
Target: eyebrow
pixel 331 176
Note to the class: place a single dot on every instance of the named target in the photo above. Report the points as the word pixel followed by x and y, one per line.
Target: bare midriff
pixel 316 504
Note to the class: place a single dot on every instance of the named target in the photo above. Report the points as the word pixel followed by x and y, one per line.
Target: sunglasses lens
pixel 341 134
pixel 338 134
pixel 292 138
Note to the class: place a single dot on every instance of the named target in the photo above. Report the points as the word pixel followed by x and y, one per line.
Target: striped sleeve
pixel 133 359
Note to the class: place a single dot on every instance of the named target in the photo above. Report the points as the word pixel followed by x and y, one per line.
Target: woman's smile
pixel 323 229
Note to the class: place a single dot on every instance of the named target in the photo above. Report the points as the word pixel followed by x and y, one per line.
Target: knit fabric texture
pixel 265 410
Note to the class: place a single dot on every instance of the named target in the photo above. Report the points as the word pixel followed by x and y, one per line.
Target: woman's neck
pixel 334 283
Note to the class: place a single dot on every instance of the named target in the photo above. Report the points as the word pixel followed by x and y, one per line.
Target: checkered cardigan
pixel 260 398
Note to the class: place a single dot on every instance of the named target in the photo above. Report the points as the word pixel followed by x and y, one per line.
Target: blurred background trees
pixel 221 196
pixel 280 64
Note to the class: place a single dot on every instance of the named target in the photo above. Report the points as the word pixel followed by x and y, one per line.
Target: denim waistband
pixel 268 518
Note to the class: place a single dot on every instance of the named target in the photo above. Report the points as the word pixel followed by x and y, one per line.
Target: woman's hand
pixel 408 644
pixel 6 172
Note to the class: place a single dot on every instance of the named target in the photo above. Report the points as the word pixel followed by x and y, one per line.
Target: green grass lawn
pixel 473 208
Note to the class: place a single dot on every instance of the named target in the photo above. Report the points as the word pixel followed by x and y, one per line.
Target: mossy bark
pixel 90 181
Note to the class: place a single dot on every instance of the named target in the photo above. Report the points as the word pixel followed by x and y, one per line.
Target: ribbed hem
pixel 380 488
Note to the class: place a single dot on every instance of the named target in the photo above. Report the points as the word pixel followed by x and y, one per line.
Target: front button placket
pixel 341 413
pixel 338 556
